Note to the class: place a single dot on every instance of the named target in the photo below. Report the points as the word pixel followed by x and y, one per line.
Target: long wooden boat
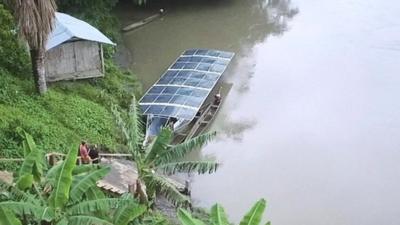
pixel 181 92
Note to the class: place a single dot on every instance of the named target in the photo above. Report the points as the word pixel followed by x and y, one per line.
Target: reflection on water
pixel 312 121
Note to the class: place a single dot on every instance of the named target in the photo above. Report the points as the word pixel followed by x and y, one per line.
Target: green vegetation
pixel 218 216
pixel 159 157
pixel 69 112
pixel 72 111
pixel 64 194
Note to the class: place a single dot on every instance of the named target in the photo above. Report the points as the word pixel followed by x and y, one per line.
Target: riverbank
pixel 69 112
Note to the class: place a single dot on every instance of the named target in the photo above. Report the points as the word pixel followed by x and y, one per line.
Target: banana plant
pixel 66 194
pixel 219 217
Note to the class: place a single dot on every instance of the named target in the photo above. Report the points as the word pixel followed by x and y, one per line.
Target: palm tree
pixel 218 216
pixel 35 19
pixel 66 195
pixel 159 158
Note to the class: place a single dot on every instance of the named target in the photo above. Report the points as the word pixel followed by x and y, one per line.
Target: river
pixel 312 123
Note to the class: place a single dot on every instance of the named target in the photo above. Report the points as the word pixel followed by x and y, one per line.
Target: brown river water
pixel 312 123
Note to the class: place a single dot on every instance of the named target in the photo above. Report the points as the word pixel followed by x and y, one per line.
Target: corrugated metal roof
pixel 68 27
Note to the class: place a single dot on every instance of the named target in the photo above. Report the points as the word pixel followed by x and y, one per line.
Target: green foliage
pixel 71 111
pixel 49 199
pixel 13 56
pixel 186 218
pixel 8 218
pixel 218 216
pixel 60 194
pixel 254 216
pixel 160 156
pixel 83 184
pixel 55 120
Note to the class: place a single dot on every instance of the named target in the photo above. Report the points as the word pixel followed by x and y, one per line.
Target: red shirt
pixel 83 151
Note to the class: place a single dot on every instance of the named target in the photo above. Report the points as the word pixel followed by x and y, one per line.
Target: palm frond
pixel 86 182
pixel 120 122
pixel 164 187
pixel 62 185
pixel 135 125
pixel 159 145
pixel 201 167
pixel 85 219
pixel 7 217
pixel 179 151
pixel 90 206
pixel 35 20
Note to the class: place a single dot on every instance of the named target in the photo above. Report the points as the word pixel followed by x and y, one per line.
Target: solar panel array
pixel 184 87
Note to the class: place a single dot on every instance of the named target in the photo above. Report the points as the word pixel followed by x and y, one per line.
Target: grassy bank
pixel 69 112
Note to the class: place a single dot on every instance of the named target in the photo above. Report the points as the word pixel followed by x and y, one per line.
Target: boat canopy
pixel 184 87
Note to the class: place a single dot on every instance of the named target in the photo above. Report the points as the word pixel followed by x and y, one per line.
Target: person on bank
pixel 84 153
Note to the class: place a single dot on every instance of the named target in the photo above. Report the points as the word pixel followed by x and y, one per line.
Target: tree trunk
pixel 141 192
pixel 38 70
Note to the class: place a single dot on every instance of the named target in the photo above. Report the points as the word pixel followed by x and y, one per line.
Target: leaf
pixel 24 182
pixel 135 125
pixel 87 182
pixel 131 129
pixel 25 178
pixel 87 220
pixel 29 147
pixel 84 168
pixel 254 216
pixel 94 193
pixel 174 153
pixel 218 216
pixel 25 208
pixel 60 193
pixel 159 145
pixel 127 213
pixel 201 167
pixel 187 219
pixel 163 186
pixel 16 194
pixel 90 206
pixel 8 218
pixel 120 122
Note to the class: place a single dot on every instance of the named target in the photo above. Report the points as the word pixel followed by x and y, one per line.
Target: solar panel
pixel 183 88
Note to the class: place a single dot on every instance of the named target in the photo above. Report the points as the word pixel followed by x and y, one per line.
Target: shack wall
pixel 74 60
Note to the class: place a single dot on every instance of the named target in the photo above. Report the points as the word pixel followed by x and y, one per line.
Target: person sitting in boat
pixel 217 99
pixel 84 152
pixel 172 122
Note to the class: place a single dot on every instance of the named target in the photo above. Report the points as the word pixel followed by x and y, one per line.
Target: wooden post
pixel 187 191
pixel 103 71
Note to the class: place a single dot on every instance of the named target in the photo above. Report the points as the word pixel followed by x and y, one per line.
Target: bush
pixel 56 120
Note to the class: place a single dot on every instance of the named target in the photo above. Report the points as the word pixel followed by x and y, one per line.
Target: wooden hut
pixel 74 50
